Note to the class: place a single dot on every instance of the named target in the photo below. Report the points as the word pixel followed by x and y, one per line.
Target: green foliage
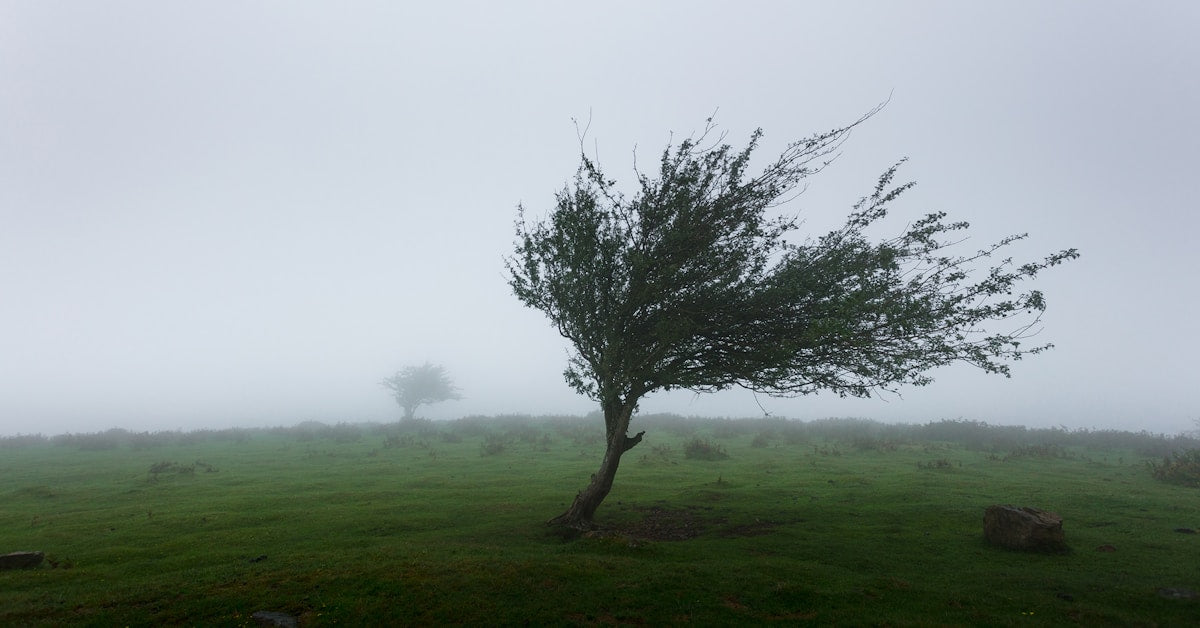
pixel 1039 452
pixel 493 444
pixel 703 449
pixel 23 440
pixel 691 284
pixel 1181 467
pixel 415 386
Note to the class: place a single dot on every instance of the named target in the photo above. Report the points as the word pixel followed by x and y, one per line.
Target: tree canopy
pixel 691 283
pixel 414 386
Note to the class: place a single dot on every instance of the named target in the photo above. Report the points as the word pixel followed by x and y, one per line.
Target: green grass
pixel 438 526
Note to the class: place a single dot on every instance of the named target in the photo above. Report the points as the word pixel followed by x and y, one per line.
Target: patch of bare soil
pixel 661 523
pixel 669 524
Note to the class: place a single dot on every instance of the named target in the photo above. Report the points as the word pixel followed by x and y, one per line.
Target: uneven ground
pixel 442 524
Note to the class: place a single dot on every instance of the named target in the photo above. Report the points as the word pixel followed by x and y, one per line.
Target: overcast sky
pixel 248 213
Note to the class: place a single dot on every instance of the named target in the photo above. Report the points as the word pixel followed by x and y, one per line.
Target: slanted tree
pixel 689 283
pixel 414 386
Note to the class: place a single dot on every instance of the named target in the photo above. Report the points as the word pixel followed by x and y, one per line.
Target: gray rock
pixel 1024 529
pixel 21 560
pixel 272 618
pixel 1174 593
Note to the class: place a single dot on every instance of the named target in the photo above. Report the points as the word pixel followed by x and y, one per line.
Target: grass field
pixel 835 522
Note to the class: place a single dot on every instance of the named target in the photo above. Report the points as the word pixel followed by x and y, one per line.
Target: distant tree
pixel 691 284
pixel 414 386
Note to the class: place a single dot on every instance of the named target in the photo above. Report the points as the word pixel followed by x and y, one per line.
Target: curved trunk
pixel 583 510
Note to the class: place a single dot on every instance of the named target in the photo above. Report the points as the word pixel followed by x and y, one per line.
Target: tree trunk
pixel 582 511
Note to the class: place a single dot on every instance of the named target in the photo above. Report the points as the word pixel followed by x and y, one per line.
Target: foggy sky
pixel 249 213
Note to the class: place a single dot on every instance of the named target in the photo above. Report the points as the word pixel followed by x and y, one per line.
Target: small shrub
pixel 20 441
pixel 522 433
pixel 827 451
pixel 1181 468
pixel 208 468
pixel 172 467
pixel 872 443
pixel 100 441
pixel 698 449
pixel 940 463
pixel 492 445
pixel 159 467
pixel 396 441
pixel 1038 452
pixel 760 440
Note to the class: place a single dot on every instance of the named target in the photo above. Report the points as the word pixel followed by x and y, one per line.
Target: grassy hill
pixel 714 522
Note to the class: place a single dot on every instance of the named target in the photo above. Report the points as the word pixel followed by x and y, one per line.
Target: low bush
pixel 20 441
pixel 492 445
pixel 871 443
pixel 1181 468
pixel 702 449
pixel 826 450
pixel 1038 452
pixel 164 466
pixel 159 468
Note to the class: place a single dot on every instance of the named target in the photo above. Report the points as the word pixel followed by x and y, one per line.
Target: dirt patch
pixel 671 524
pixel 659 523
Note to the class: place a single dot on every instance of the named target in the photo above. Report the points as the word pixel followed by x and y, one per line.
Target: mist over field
pixel 249 215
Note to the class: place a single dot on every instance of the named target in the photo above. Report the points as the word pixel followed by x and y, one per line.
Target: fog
pixel 248 214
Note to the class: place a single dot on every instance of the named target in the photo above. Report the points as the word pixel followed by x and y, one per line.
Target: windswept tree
pixel 690 283
pixel 414 386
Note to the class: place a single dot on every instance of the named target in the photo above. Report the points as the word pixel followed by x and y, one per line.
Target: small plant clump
pixel 492 445
pixel 1039 452
pixel 870 443
pixel 826 451
pixel 1182 468
pixel 703 449
pixel 159 468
